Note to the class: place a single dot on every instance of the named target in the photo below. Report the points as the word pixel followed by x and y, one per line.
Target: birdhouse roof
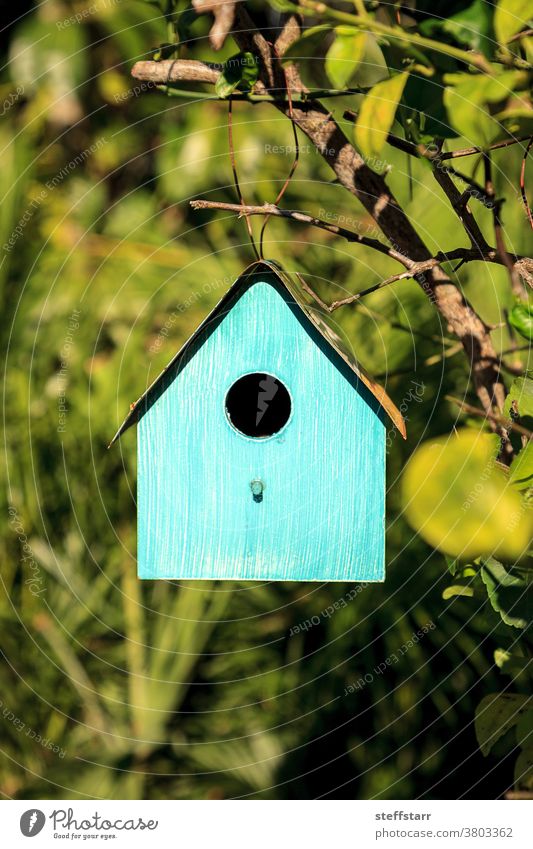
pixel 312 313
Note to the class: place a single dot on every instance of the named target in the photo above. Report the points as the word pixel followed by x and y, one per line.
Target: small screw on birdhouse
pixel 257 488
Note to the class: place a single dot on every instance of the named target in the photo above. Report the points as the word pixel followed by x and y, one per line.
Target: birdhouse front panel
pixel 261 454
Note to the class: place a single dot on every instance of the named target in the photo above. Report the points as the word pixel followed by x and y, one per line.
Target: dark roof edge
pixel 311 314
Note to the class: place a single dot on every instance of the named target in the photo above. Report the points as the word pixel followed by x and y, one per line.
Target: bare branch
pixel 177 70
pixel 501 421
pixel 514 277
pixel 352 299
pixel 470 151
pixel 355 175
pixel 304 218
pixel 464 254
pixel 223 13
pixel 460 206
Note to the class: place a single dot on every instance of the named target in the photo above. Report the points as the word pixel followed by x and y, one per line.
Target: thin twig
pixel 463 254
pixel 304 218
pixel 420 151
pixel 470 151
pixel 502 421
pixel 310 291
pixel 471 57
pixel 516 285
pixel 523 182
pixel 352 299
pixel 460 206
pixel 524 34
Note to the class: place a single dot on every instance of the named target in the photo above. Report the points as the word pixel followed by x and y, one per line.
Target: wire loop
pixel 260 253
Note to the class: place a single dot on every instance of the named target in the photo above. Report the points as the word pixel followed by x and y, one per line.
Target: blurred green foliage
pixel 170 690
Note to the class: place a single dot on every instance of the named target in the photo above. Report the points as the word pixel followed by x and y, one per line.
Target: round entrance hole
pixel 258 405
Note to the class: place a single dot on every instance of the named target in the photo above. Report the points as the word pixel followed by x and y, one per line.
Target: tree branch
pixel 470 151
pixel 501 421
pixel 514 277
pixel 177 70
pixel 460 206
pixel 464 254
pixel 372 191
pixel 304 218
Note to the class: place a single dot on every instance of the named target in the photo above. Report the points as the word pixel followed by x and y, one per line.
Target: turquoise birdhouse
pixel 261 448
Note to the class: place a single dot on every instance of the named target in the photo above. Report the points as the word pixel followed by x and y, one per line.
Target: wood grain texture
pixel 322 513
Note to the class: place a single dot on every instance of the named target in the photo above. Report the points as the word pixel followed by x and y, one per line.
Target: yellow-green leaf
pixel 521 472
pixel 460 501
pixel 510 17
pixel 521 318
pixel 376 114
pixel 466 97
pixel 496 714
pixel 345 55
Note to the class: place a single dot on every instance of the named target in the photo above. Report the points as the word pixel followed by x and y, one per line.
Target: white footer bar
pixel 267 824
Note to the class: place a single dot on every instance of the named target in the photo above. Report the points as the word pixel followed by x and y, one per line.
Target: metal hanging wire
pixel 295 161
pixel 260 253
pixel 236 178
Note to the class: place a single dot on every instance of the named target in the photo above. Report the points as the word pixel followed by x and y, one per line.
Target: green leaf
pixel 460 501
pixel 521 472
pixel 376 115
pixel 373 67
pixel 496 714
pixel 467 98
pixel 239 72
pixel 512 664
pixel 523 770
pixel 524 730
pixel 457 589
pixel 521 318
pixel 424 103
pixel 520 396
pixel 510 595
pixel 510 17
pixel 345 55
pixel 307 45
pixel 471 27
pixel 184 23
pixel 452 564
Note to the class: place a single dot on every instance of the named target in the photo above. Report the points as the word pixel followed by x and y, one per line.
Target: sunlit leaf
pixel 496 714
pixel 306 46
pixel 521 318
pixel 345 55
pixel 471 27
pixel 510 595
pixel 521 472
pixel 457 590
pixel 512 664
pixel 239 72
pixel 520 396
pixel 467 98
pixel 376 115
pixel 373 66
pixel 459 501
pixel 510 17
